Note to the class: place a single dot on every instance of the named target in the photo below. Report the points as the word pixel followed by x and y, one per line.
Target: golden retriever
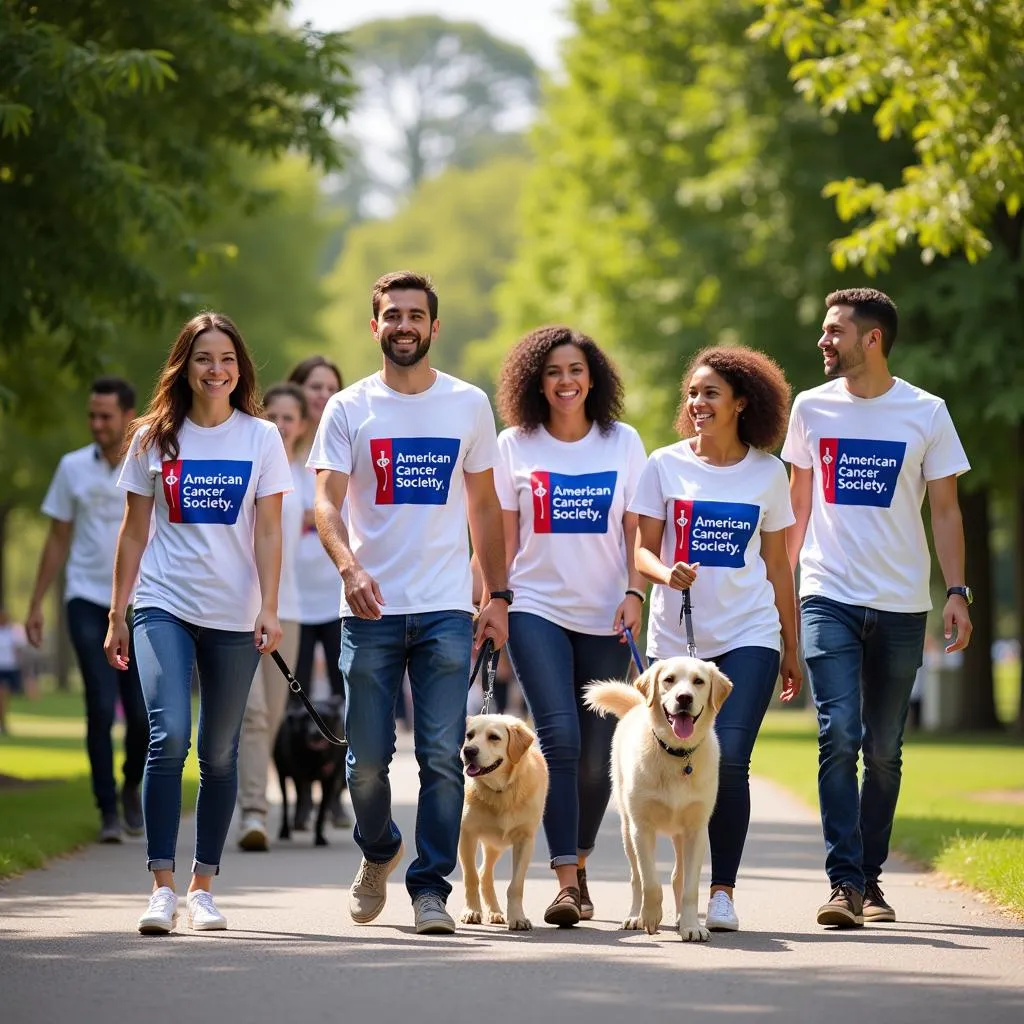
pixel 506 786
pixel 665 778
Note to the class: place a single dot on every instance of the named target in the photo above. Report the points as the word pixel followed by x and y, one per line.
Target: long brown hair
pixel 172 398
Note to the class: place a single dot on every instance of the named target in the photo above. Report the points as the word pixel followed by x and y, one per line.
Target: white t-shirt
pixel 288 607
pixel 200 563
pixel 84 492
pixel 715 515
pixel 12 639
pixel 320 593
pixel 872 459
pixel 571 496
pixel 406 510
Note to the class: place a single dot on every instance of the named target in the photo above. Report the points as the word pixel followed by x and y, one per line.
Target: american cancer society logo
pixel 571 504
pixel 205 490
pixel 855 471
pixel 714 532
pixel 413 470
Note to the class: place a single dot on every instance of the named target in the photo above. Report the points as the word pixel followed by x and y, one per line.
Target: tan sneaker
pixel 875 907
pixel 845 908
pixel 369 890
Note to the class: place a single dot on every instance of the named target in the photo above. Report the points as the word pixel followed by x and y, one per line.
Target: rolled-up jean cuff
pixel 160 865
pixel 584 853
pixel 568 858
pixel 205 869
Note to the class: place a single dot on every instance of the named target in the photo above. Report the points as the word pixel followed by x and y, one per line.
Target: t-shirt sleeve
pixel 649 499
pixel 275 473
pixel 332 445
pixel 482 449
pixel 945 455
pixel 59 502
pixel 135 473
pixel 778 512
pixel 504 480
pixel 636 460
pixel 795 449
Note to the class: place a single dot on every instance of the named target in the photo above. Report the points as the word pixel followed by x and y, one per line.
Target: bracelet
pixel 638 594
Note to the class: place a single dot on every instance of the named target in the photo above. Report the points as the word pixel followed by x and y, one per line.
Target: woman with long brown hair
pixel 204 476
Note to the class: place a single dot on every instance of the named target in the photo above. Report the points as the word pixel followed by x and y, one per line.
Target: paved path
pixel 69 953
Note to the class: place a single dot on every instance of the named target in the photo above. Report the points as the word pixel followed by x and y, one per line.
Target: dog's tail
pixel 612 697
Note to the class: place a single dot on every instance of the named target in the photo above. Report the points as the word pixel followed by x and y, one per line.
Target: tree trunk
pixel 1019 573
pixel 977 683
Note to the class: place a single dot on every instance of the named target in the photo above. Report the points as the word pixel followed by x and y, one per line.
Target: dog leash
pixel 296 687
pixel 635 651
pixel 489 656
pixel 686 615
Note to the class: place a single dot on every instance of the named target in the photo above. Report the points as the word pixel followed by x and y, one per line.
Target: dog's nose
pixel 470 752
pixel 684 700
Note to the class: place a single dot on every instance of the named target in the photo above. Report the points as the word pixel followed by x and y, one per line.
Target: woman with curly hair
pixel 566 473
pixel 726 502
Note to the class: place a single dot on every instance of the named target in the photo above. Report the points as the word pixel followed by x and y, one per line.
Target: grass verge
pixel 961 807
pixel 46 801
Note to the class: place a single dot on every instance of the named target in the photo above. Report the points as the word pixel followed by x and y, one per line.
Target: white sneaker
pixel 162 913
pixel 721 916
pixel 203 915
pixel 253 834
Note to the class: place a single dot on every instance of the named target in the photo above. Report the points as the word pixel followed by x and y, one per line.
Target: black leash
pixel 685 614
pixel 489 656
pixel 296 687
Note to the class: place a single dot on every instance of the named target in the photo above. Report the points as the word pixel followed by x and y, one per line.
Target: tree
pixel 119 125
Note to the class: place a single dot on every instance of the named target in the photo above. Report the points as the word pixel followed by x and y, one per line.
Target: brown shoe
pixel 875 907
pixel 845 908
pixel 586 903
pixel 565 908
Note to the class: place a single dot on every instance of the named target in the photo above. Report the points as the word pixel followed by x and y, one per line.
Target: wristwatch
pixel 965 592
pixel 505 595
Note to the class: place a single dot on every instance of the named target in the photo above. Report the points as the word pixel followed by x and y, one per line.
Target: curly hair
pixel 521 401
pixel 751 375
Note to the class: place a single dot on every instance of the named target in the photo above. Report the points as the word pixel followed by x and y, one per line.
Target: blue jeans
pixel 102 683
pixel 166 648
pixel 753 672
pixel 436 648
pixel 553 665
pixel 861 664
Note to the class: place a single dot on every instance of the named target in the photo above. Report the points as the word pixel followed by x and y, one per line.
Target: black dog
pixel 302 754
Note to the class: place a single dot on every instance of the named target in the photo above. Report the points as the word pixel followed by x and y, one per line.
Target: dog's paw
pixel 321 841
pixel 520 924
pixel 694 933
pixel 650 923
pixel 632 924
pixel 471 917
pixel 495 917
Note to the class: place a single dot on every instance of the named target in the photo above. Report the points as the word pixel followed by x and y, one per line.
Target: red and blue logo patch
pixel 563 503
pixel 714 532
pixel 413 470
pixel 205 490
pixel 857 471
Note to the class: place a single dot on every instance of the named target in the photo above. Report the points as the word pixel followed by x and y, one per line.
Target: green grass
pixel 55 813
pixel 961 808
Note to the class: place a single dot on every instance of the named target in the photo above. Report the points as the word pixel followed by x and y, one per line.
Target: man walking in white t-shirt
pixel 864 449
pixel 412 449
pixel 85 508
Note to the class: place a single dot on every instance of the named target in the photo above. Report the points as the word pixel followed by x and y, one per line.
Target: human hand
pixel 268 631
pixel 683 575
pixel 492 624
pixel 792 677
pixel 629 615
pixel 362 593
pixel 34 626
pixel 115 646
pixel 956 617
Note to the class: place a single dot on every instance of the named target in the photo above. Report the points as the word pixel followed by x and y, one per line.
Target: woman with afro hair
pixel 713 511
pixel 566 473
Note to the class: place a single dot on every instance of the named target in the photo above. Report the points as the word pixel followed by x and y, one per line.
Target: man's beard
pixel 408 358
pixel 846 362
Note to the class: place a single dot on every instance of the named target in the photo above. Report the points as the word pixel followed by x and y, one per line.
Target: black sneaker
pixel 875 907
pixel 110 829
pixel 131 807
pixel 845 908
pixel 586 903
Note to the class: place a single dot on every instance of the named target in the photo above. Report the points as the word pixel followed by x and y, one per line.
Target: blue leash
pixel 635 651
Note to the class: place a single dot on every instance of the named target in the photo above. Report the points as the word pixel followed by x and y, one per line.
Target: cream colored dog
pixel 506 786
pixel 665 778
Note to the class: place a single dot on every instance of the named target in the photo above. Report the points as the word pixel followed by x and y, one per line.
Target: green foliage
pixel 119 130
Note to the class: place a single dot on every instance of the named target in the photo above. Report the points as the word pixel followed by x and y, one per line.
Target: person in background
pixel 85 508
pixel 207 471
pixel 285 407
pixel 12 638
pixel 567 470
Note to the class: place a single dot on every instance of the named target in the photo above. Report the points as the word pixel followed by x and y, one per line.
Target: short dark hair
pixel 751 375
pixel 521 403
pixel 407 279
pixel 115 386
pixel 301 371
pixel 287 389
pixel 871 308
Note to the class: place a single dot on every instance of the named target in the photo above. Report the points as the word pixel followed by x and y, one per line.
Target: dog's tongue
pixel 682 726
pixel 472 770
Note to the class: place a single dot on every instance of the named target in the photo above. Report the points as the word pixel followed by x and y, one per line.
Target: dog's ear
pixel 721 687
pixel 519 740
pixel 646 685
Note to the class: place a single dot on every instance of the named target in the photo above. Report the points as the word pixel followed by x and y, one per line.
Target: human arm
pixel 780 576
pixel 132 539
pixel 649 565
pixel 948 534
pixel 53 556
pixel 801 482
pixel 629 614
pixel 486 528
pixel 267 551
pixel 362 591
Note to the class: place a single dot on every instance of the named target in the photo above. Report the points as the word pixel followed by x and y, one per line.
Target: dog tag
pixel 688 770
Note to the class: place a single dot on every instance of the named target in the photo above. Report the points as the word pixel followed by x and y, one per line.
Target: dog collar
pixel 677 751
pixel 490 768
